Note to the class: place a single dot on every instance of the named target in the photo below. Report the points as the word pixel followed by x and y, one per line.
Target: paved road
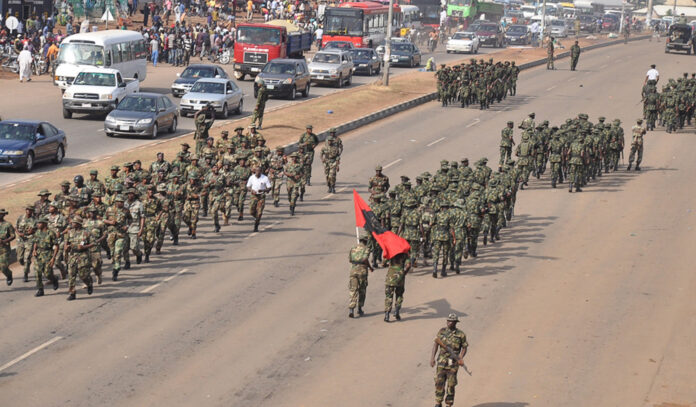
pixel 87 141
pixel 588 299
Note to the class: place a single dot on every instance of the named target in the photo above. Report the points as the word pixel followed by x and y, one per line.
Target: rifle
pixel 453 355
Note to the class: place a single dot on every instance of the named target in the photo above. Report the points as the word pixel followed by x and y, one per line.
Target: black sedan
pixel 518 35
pixel 25 142
pixel 194 72
pixel 366 61
pixel 405 53
pixel 142 114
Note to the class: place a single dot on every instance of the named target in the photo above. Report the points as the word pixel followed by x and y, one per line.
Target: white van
pixel 123 50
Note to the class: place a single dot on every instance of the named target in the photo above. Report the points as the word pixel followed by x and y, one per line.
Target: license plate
pixel 255 69
pixel 270 86
pixel 363 65
pixel 321 77
pixel 395 59
pixel 86 105
pixel 123 128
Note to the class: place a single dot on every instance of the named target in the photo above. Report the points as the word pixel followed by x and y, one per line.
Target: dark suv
pixel 490 34
pixel 285 77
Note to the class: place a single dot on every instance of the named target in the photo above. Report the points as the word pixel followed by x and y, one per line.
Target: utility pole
pixel 648 15
pixel 623 9
pixel 674 12
pixel 387 46
pixel 543 25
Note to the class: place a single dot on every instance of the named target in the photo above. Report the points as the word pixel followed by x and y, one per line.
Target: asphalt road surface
pixel 586 301
pixel 40 100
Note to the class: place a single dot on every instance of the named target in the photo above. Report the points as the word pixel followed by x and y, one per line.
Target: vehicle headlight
pixel 288 81
pixel 13 152
pixel 333 70
pixel 216 103
pixel 186 101
pixel 144 121
pixel 67 95
pixel 110 119
pixel 106 96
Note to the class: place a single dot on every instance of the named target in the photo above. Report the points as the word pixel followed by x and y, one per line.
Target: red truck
pixel 257 44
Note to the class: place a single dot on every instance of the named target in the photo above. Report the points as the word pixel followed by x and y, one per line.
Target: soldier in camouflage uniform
pixel 275 173
pixel 62 197
pixel 458 216
pixel 331 158
pixel 97 229
pixel 616 143
pixel 506 143
pixel 381 212
pixel 77 244
pixel 442 235
pixel 175 190
pixel 117 219
pixel 447 365
pixel 152 212
pixel 7 234
pixel 216 185
pixel 411 227
pixel 203 120
pixel 94 184
pixel 475 211
pixel 650 102
pixel 577 159
pixel 166 220
pixel 41 206
pixel 357 284
pixel 192 206
pixel 638 132
pixel 240 176
pixel 395 285
pixel 524 158
pixel 556 148
pixel 136 228
pixel 44 251
pixel 309 141
pixel 25 227
pixel 293 175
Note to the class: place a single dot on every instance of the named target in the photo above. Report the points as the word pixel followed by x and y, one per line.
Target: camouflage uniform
pixel 78 259
pixel 44 250
pixel 309 141
pixel 358 257
pixel 152 211
pixel 638 132
pixel 411 227
pixel 331 157
pixel 7 234
pixel 441 236
pixel 395 285
pixel 447 367
pixel 25 227
pixel 293 172
pixel 275 173
pixel 97 229
pixel 117 234
pixel 506 143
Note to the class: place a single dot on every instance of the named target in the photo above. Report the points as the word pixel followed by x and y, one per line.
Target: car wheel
pixel 293 93
pixel 155 130
pixel 67 114
pixel 305 92
pixel 449 52
pixel 60 154
pixel 369 71
pixel 379 69
pixel 256 93
pixel 29 165
pixel 239 76
pixel 340 81
pixel 224 112
pixel 172 128
pixel 182 113
pixel 239 106
pixel 350 80
pixel 109 134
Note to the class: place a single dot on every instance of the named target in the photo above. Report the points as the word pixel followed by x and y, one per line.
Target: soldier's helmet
pixel 525 136
pixel 444 164
pixel 78 179
pixel 452 318
pixel 639 121
pixel 532 115
pixel 510 123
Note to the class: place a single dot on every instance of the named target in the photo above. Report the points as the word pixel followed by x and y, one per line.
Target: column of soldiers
pixel 482 83
pixel 673 107
pixel 129 212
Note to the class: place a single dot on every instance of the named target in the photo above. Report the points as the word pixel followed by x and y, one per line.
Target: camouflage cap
pixel 454 164
pixel 465 160
pixel 435 188
pixel 459 203
pixel 404 178
pixel 3 211
pixel 476 186
pixel 419 178
pixel 225 133
pixel 532 114
pixel 44 192
pixel 332 130
pixel 97 194
pixel 406 183
pixel 118 187
pixel 410 202
pixel 601 118
pixel 258 149
pixel 309 126
pixel 639 121
pixel 378 168
pixel 444 163
pixel 583 116
pixel 445 202
pixel 54 204
pixel 392 193
pixel 280 148
pixel 510 123
pixel 65 184
pixel 427 174
pixel 29 207
pixel 132 191
pixel 452 318
pixel 115 168
pixel 294 155
pixel 128 164
pixel 185 145
pixel 42 219
pixel 119 198
pixel 161 188
pixel 93 172
pixel 77 220
pixel 91 209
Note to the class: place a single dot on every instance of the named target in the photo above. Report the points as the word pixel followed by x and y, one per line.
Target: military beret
pixel 44 192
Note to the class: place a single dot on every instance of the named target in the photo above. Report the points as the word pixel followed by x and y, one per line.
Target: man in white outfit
pixel 24 59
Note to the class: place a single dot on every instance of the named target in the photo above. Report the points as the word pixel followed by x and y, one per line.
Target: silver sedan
pixel 142 114
pixel 223 94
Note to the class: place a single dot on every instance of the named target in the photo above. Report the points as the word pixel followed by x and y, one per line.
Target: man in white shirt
pixel 652 75
pixel 258 184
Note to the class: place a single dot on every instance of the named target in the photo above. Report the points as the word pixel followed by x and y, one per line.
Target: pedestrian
pixel 574 55
pixel 7 234
pixel 395 285
pixel 652 75
pixel 154 47
pixel 452 346
pixel 357 284
pixel 25 60
pixel 258 185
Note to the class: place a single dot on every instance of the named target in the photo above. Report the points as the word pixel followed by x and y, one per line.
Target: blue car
pixel 366 60
pixel 26 142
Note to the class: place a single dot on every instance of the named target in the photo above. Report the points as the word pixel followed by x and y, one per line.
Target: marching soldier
pixel 25 227
pixel 452 346
pixel 276 163
pixel 7 234
pixel 309 141
pixel 77 244
pixel 638 132
pixel 331 158
pixel 395 285
pixel 44 251
pixel 506 143
pixel 359 259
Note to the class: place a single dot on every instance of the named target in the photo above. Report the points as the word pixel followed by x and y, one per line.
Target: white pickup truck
pixel 97 90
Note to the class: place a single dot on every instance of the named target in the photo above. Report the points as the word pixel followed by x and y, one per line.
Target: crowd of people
pixel 131 210
pixel 477 82
pixel 673 107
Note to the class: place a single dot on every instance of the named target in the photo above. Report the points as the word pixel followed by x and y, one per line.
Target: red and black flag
pixel 389 241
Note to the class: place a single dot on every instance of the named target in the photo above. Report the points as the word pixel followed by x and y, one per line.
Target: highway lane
pixel 584 302
pixel 86 138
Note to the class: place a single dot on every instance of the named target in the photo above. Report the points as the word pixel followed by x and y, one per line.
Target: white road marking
pixel 551 87
pixel 572 78
pixel 327 196
pixel 152 287
pixel 341 189
pixel 31 352
pixel 392 163
pixel 100 129
pixel 11 185
pixel 435 142
pixel 474 123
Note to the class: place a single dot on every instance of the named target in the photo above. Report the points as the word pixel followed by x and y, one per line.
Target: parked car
pixel 489 34
pixel 194 72
pixel 558 28
pixel 405 53
pixel 463 42
pixel 588 23
pixel 96 90
pixel 223 94
pixel 342 45
pixel 23 143
pixel 332 66
pixel 398 40
pixel 679 38
pixel 142 114
pixel 518 35
pixel 366 61
pixel 284 77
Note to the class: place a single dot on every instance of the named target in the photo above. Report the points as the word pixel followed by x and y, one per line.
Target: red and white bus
pixel 362 23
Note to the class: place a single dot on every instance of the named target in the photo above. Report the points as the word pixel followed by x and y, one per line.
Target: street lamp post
pixel 387 46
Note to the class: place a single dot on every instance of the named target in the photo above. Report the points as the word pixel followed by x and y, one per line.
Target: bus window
pixel 116 54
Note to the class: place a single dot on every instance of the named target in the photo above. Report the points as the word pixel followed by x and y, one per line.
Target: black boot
pixel 138 258
pixel 90 289
pixel 241 216
pixel 443 272
pixel 114 275
pixel 71 297
pixel 147 257
pixel 570 187
pixel 108 254
pixel 553 183
pixel 256 225
pixel 127 266
pixel 386 316
pixel 637 167
pixel 360 311
pixel 302 197
pixel 276 203
pixel 9 280
pixel 55 283
pixel 456 268
pixel 397 316
pixel 350 313
pixel 217 228
pixel 629 167
pixel 26 277
pixel 485 239
pixel 176 240
pixel 39 293
pixel 292 211
pixel 435 269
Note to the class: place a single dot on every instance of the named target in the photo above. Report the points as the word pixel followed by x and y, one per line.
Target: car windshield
pixel 137 104
pixel 202 72
pixel 487 27
pixel 517 29
pixel 95 79
pixel 459 3
pixel 462 36
pixel 342 22
pixel 401 47
pixel 326 58
pixel 81 54
pixel 338 44
pixel 258 35
pixel 16 131
pixel 558 23
pixel 362 54
pixel 208 87
pixel 287 69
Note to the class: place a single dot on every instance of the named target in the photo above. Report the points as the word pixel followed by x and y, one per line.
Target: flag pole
pixel 357 235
